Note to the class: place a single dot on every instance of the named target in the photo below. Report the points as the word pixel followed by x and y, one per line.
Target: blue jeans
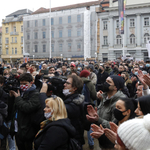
pixel 11 142
pixel 90 139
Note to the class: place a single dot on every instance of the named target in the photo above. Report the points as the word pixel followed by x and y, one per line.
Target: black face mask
pixel 107 67
pixel 120 72
pixel 106 87
pixel 100 70
pixel 115 69
pixel 96 68
pixel 118 114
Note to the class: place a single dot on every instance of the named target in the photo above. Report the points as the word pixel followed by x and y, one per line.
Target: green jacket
pixel 106 107
pixel 91 87
pixel 24 112
pixel 109 70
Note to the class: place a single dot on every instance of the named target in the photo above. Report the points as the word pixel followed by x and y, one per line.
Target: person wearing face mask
pixel 57 129
pixel 108 68
pixel 101 78
pixel 74 101
pixel 115 70
pixel 112 93
pixel 25 116
pixel 121 69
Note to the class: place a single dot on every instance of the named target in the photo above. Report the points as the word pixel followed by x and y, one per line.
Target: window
pixel 21 28
pixel 146 37
pixel 118 40
pixel 12 50
pixel 22 39
pixel 117 23
pixel 60 20
pixel 79 32
pixel 146 21
pixel 52 47
pixel 52 34
pixel 44 48
pixel 78 18
pixel 15 39
pixel 15 50
pixel 35 48
pixel 132 39
pixel 36 35
pixel 6 40
pixel 105 40
pixel 52 21
pixel 12 39
pixel 6 29
pixel 44 22
pixel 28 36
pixel 14 28
pixel 7 51
pixel 36 23
pixel 69 19
pixel 132 23
pixel 69 33
pixel 79 47
pixel 44 35
pixel 105 25
pixel 60 47
pixel 60 33
pixel 28 24
pixel 28 48
pixel 69 47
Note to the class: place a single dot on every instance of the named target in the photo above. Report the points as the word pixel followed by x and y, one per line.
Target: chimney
pixel 110 3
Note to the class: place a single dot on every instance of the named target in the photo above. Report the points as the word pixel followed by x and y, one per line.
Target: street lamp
pixel 33 58
pixel 61 56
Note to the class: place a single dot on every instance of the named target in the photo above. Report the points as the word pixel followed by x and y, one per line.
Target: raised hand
pixel 92 114
pixel 98 131
pixel 113 127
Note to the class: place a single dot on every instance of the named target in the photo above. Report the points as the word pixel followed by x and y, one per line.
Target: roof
pixel 44 10
pixel 20 12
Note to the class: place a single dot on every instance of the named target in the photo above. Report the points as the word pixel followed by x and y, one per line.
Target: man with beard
pixel 112 93
pixel 121 69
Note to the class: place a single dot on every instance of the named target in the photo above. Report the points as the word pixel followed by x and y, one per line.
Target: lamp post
pixel 33 58
pixel 50 30
pixel 61 56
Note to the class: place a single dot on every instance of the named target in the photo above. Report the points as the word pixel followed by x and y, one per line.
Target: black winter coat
pixel 74 104
pixel 55 136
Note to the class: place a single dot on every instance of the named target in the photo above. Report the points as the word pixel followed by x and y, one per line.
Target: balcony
pixel 131 45
pixel 105 46
pixel 14 33
pixel 117 46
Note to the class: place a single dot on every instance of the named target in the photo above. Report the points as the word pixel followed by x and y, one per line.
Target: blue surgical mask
pixel 79 69
pixel 5 67
pixel 147 65
pixel 136 73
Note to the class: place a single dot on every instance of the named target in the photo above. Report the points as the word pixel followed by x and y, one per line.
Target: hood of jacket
pixel 75 98
pixel 85 80
pixel 64 123
pixel 114 97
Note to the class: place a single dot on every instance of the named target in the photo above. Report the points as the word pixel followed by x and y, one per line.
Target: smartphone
pixel 45 72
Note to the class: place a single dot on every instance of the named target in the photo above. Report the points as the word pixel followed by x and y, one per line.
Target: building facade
pixel 12 39
pixel 69 32
pixel 137 31
pixel 0 43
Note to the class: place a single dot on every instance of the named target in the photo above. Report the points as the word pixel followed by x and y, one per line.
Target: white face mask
pixel 66 92
pixel 48 115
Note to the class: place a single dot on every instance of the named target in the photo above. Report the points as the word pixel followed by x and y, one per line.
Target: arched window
pixel 132 39
pixel 146 37
pixel 118 39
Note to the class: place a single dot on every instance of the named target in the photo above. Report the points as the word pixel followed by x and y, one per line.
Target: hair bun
pixel 147 122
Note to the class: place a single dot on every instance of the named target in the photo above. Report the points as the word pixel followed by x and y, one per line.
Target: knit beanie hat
pixel 84 73
pixel 118 81
pixel 135 133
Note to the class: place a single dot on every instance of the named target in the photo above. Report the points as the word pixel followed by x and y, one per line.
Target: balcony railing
pixel 131 45
pixel 118 46
pixel 14 33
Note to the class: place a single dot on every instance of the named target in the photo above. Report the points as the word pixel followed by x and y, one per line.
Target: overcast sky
pixel 9 6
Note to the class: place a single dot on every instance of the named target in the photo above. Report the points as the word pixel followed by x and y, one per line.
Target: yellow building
pixel 12 39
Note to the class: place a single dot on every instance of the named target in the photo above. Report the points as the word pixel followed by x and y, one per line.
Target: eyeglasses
pixel 67 82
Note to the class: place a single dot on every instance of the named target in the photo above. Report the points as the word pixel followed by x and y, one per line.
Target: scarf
pixel 43 124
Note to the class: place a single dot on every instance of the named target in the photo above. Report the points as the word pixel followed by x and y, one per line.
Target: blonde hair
pixel 58 108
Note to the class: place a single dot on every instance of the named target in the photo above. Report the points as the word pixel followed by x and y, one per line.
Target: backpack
pixel 73 144
pixel 86 93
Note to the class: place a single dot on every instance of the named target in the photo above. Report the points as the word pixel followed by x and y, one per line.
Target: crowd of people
pixel 45 105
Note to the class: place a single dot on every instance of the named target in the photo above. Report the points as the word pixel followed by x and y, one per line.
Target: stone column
pixel 110 32
pixel 138 29
pixel 125 31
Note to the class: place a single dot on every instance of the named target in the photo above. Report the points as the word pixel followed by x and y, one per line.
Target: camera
pixel 11 83
pixel 55 84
